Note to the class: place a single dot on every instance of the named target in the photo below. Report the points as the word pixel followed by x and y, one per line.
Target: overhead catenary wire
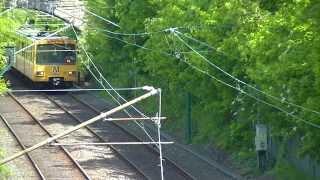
pixel 129 34
pixel 136 45
pixel 129 119
pixel 113 32
pixel 96 68
pixel 100 17
pixel 137 110
pixel 203 43
pixel 126 42
pixel 257 99
pixel 99 4
pixel 213 77
pixel 46 37
pixel 249 95
pixel 115 99
pixel 70 15
pixel 124 33
pixel 281 100
pixel 253 97
pixel 152 92
pixel 77 127
pixel 75 90
pixel 175 31
pixel 237 80
pixel 159 133
pixel 6 11
pixel 109 143
pixel 119 33
pixel 101 76
pixel 145 48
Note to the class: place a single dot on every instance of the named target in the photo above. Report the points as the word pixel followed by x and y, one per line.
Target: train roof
pixel 34 34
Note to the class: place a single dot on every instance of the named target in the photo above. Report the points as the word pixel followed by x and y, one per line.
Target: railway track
pixel 98 163
pixel 204 165
pixel 144 162
pixel 142 157
pixel 101 139
pixel 151 148
pixel 147 168
pixel 49 162
pixel 18 139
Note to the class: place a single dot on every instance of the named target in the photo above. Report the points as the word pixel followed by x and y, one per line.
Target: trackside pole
pixel 6 11
pixel 159 134
pixel 44 38
pixel 90 121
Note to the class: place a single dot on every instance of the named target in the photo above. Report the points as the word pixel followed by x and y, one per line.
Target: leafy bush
pixel 273 46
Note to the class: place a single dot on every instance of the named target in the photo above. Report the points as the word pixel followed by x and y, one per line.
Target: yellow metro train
pixel 49 61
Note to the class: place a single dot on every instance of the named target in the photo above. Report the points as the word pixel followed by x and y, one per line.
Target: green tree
pixel 273 46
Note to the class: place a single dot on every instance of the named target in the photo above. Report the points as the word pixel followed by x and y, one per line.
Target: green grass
pixel 3 87
pixel 285 171
pixel 4 170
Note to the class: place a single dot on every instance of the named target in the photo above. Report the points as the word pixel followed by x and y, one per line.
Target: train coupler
pixel 56 81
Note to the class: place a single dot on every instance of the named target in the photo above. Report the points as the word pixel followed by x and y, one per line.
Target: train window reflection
pixel 56 54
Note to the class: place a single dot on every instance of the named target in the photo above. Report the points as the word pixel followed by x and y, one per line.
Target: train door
pixel 25 56
pixel 33 61
pixel 29 62
pixel 17 56
pixel 10 50
pixel 21 62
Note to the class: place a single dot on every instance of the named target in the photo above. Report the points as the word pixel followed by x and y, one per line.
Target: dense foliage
pixel 272 45
pixel 8 22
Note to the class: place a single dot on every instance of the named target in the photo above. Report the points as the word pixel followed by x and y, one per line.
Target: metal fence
pixel 290 152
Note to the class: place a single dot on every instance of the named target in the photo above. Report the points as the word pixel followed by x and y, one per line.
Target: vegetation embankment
pixel 8 23
pixel 271 45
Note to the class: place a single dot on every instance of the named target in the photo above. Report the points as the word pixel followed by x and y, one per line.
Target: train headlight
pixel 71 73
pixel 40 73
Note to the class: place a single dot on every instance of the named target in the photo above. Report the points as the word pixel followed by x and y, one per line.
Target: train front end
pixel 56 63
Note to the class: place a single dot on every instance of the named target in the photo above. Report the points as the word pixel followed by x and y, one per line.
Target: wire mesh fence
pixel 290 152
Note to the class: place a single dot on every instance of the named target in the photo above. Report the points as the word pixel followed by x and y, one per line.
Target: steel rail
pixel 81 125
pixel 216 166
pixel 181 170
pixel 71 90
pixel 34 164
pixel 210 163
pixel 42 127
pixel 98 136
pixel 108 143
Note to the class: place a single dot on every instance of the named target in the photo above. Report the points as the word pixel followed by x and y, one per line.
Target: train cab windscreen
pixel 56 54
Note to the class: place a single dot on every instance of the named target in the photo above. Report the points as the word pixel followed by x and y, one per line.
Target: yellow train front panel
pixel 45 73
pixel 49 60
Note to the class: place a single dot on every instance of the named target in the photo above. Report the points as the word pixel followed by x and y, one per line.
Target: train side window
pixel 22 52
pixel 26 52
pixel 29 53
pixel 21 45
pixel 56 54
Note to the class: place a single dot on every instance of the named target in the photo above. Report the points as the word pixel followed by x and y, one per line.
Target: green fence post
pixel 189 119
pixel 10 59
